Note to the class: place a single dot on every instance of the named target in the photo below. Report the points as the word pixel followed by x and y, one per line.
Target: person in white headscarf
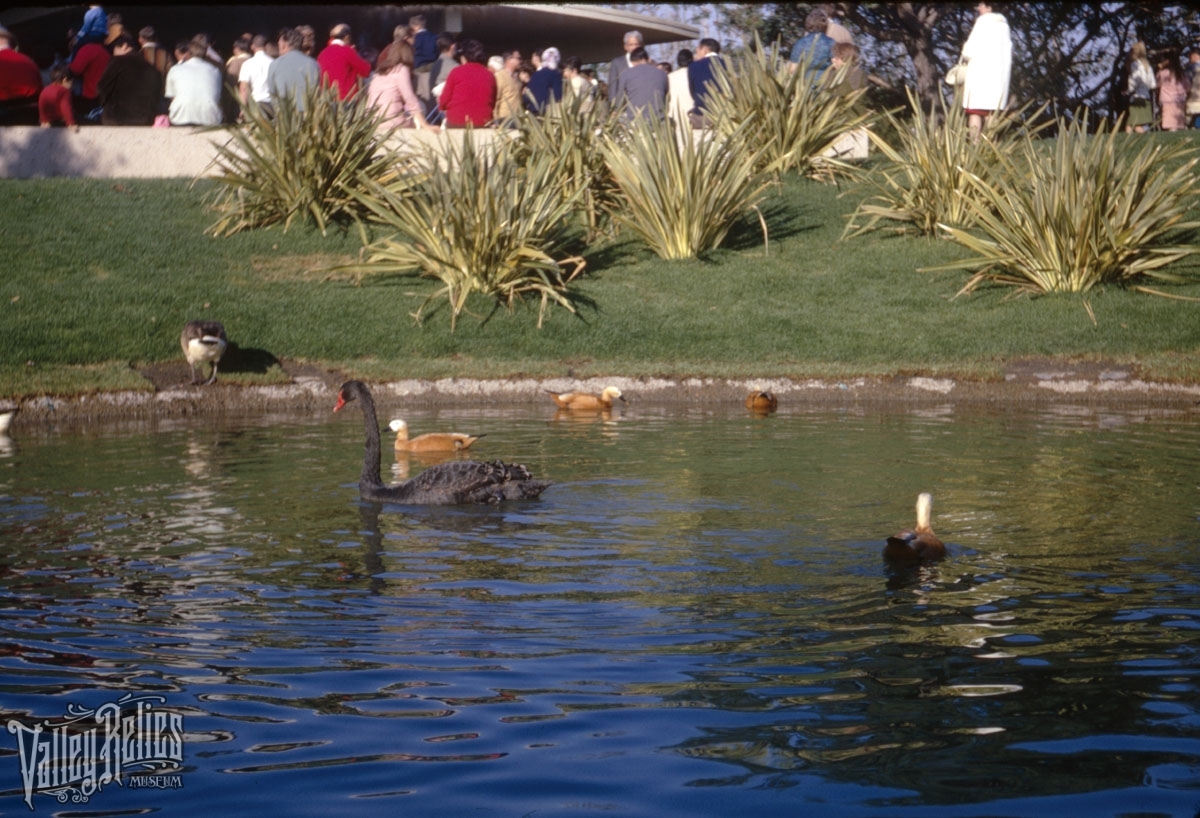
pixel 988 57
pixel 545 86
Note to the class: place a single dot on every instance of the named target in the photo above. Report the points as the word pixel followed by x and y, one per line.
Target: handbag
pixel 957 74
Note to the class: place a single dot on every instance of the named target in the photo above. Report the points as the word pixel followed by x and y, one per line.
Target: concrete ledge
pixel 101 152
pixel 104 152
pixel 314 394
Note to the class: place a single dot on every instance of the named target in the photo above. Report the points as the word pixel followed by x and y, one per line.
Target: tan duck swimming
pixel 918 544
pixel 586 400
pixel 762 402
pixel 430 442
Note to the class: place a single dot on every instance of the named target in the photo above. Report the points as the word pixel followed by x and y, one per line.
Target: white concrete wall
pixel 105 152
pixel 101 152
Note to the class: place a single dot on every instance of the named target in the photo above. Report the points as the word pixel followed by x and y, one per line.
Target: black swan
pixel 203 341
pixel 584 400
pixel 918 544
pixel 461 481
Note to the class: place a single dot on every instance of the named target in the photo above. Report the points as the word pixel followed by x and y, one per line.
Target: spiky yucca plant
pixel 1085 210
pixel 923 180
pixel 682 196
pixel 298 164
pixel 480 222
pixel 573 131
pixel 791 118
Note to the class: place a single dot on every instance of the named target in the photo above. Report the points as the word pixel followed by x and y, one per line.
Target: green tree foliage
pixel 682 196
pixel 1065 55
pixel 924 180
pixel 479 221
pixel 789 118
pixel 1081 211
pixel 298 164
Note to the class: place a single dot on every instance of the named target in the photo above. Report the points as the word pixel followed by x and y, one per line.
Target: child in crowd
pixel 54 104
pixel 1172 94
pixel 854 79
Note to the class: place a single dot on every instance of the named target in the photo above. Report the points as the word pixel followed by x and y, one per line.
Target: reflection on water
pixel 693 620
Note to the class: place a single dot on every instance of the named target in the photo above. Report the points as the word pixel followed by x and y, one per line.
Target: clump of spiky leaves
pixel 302 163
pixel 572 130
pixel 1083 210
pixel 924 179
pixel 682 196
pixel 791 118
pixel 479 221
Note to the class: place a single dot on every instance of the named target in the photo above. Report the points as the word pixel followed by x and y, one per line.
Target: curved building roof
pixel 591 32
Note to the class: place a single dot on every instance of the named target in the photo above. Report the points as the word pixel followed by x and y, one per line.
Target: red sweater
pixel 54 105
pixel 469 96
pixel 19 76
pixel 89 64
pixel 342 66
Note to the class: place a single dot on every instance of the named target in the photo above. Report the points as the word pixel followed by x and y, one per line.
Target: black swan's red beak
pixel 341 401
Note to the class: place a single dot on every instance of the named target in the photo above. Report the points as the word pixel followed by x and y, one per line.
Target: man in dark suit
pixel 643 88
pixel 700 79
pixel 130 88
pixel 621 64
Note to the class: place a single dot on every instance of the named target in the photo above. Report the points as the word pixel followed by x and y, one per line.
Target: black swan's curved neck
pixel 370 470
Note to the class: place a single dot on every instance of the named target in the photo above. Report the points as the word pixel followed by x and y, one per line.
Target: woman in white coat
pixel 988 55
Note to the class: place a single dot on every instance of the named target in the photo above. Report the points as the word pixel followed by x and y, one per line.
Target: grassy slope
pixel 105 273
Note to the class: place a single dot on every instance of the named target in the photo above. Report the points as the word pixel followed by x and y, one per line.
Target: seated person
pixel 54 104
pixel 194 88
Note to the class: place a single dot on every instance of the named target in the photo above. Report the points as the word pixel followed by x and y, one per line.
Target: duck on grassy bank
pixel 203 341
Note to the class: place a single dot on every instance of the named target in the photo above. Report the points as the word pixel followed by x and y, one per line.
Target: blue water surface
pixel 693 620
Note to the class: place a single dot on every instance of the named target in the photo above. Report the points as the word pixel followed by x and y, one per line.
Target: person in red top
pixel 89 63
pixel 20 79
pixel 470 93
pixel 341 65
pixel 54 104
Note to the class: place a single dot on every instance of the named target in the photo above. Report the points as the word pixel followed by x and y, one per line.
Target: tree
pixel 1066 55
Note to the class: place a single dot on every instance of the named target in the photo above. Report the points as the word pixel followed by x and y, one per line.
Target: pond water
pixel 694 619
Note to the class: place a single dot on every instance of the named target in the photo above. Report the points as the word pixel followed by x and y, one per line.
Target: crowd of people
pixel 420 79
pixel 1164 94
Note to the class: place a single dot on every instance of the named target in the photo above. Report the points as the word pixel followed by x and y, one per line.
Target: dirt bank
pixel 1027 382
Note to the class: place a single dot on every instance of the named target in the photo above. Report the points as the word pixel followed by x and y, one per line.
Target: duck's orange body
pixel 918 544
pixel 762 402
pixel 431 442
pixel 585 400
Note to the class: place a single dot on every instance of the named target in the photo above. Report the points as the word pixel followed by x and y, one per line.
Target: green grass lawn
pixel 99 277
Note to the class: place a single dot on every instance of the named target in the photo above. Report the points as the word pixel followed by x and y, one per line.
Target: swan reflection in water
pixel 587 416
pixel 410 463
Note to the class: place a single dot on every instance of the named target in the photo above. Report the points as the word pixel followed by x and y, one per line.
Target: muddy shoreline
pixel 1027 383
